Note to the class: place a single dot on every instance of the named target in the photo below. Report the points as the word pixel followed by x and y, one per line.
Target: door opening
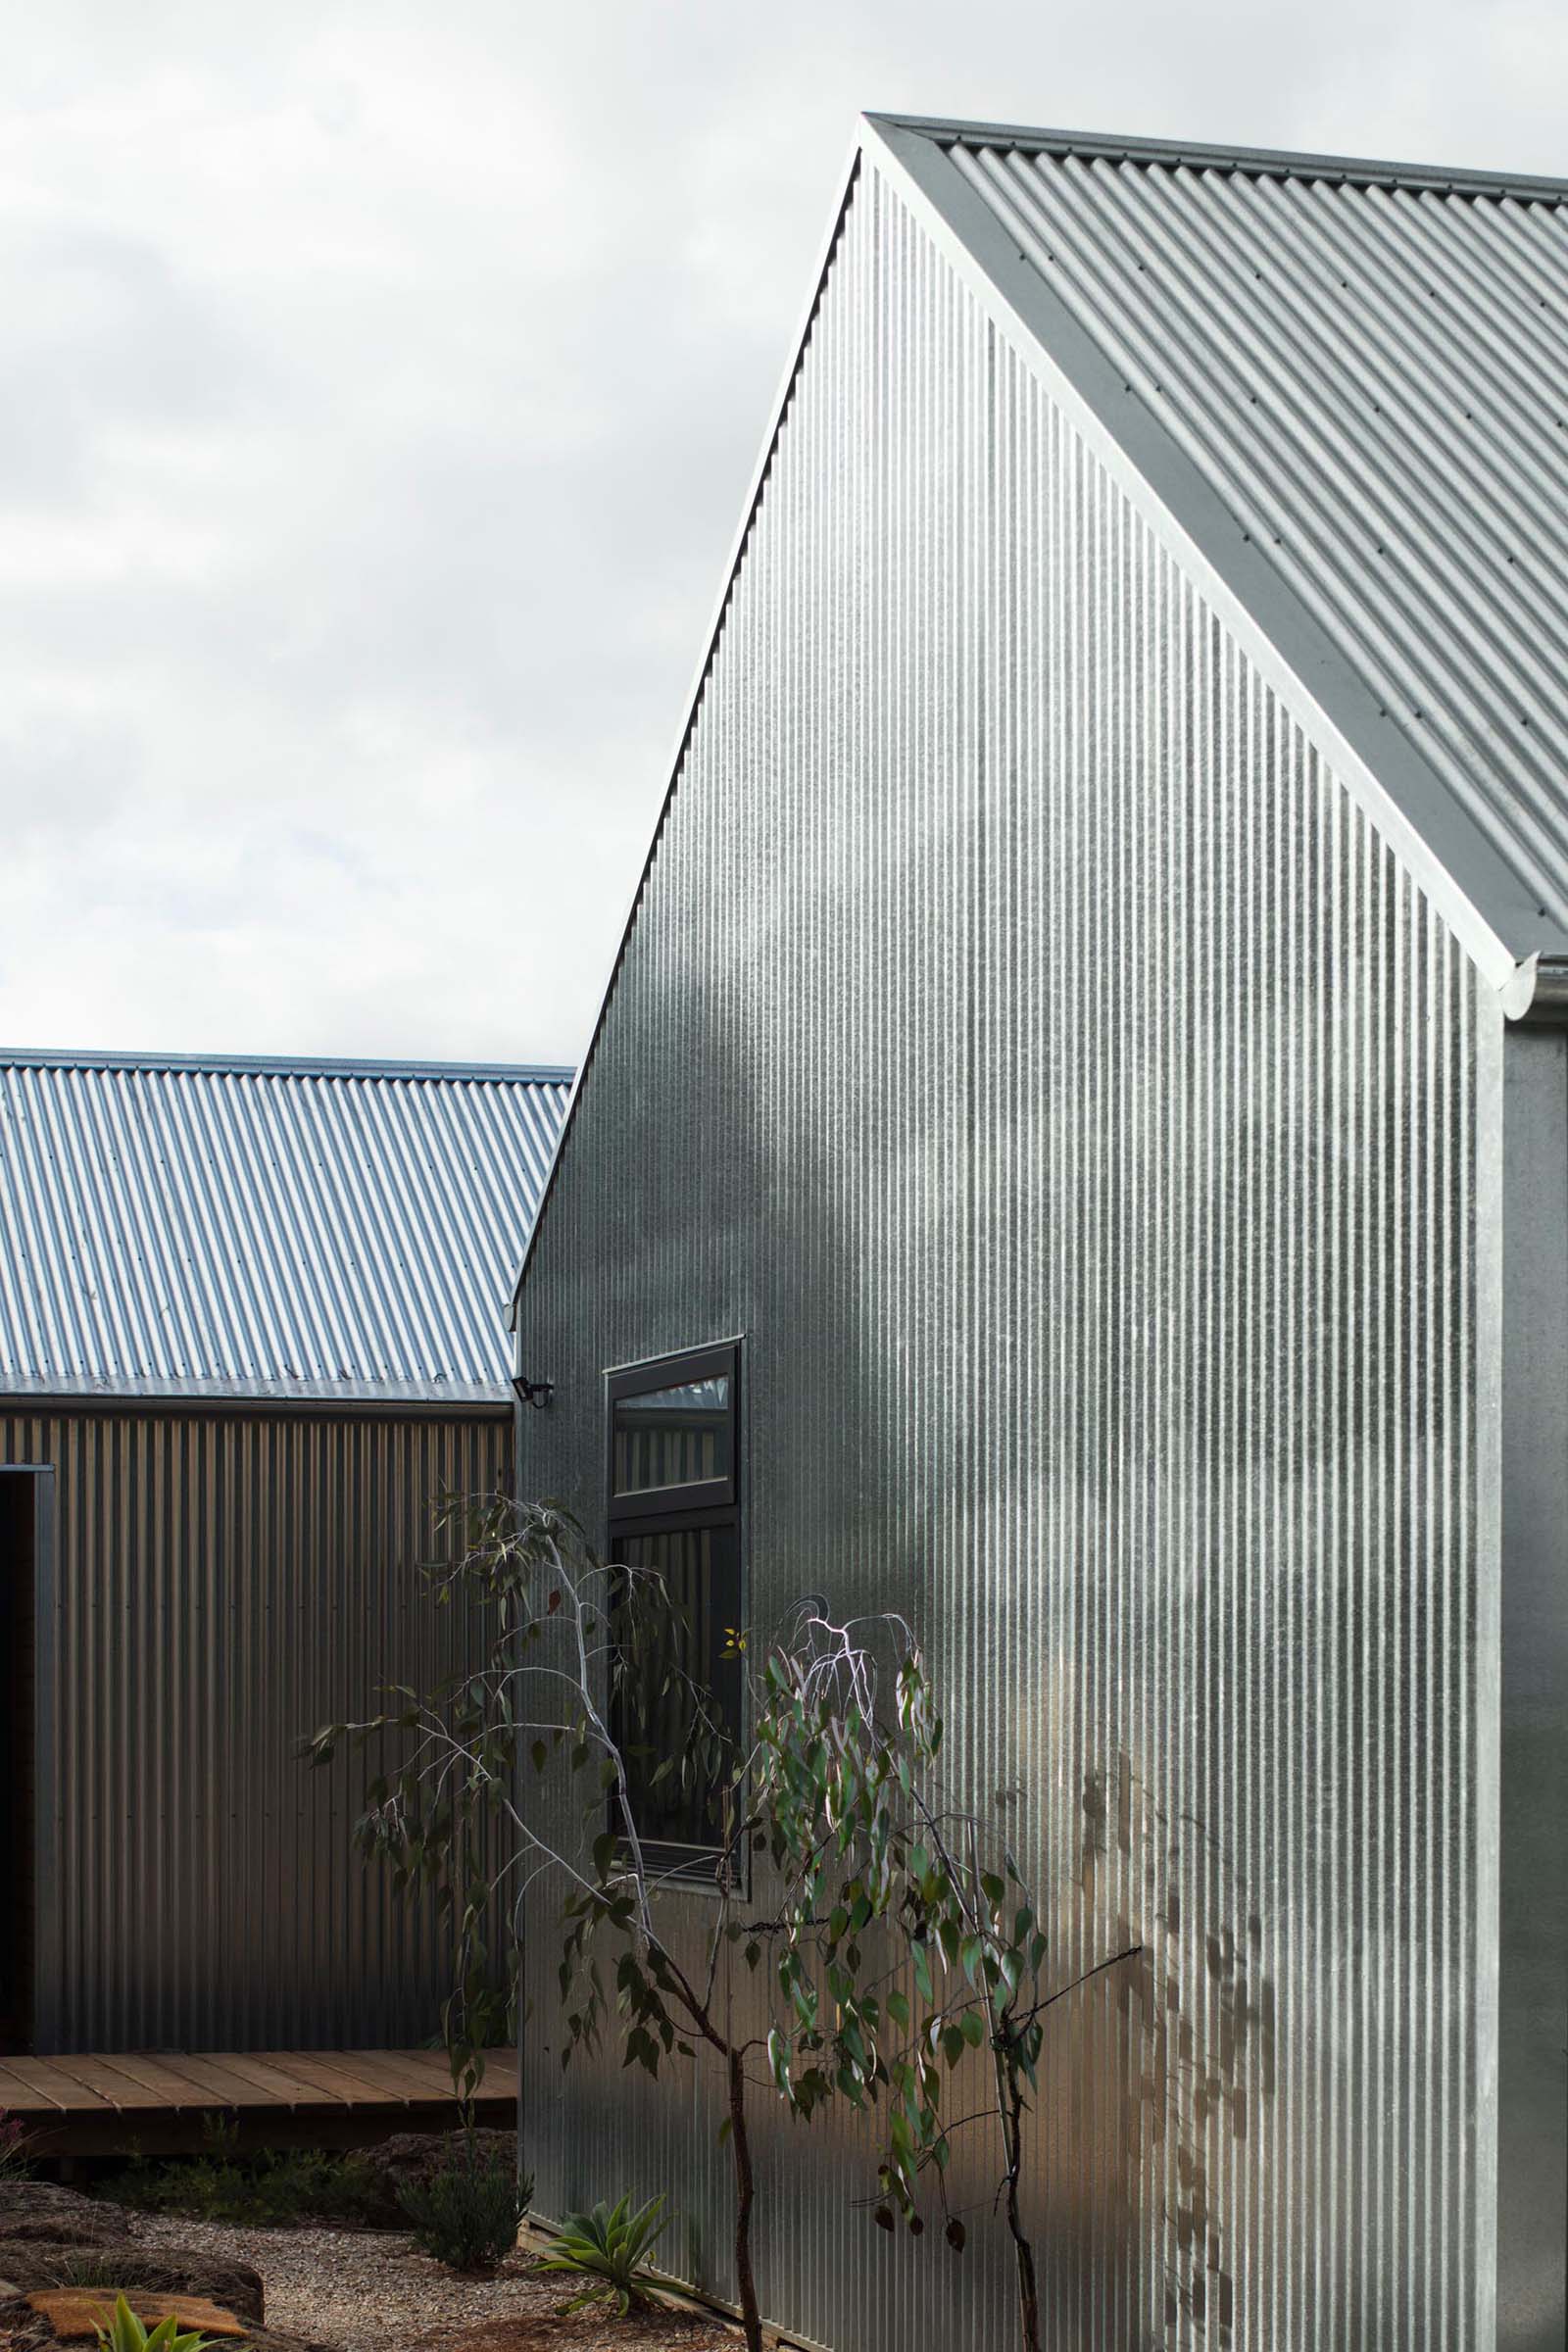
pixel 23 1535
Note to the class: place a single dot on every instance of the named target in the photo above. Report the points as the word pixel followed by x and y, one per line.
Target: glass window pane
pixel 677 1700
pixel 671 1436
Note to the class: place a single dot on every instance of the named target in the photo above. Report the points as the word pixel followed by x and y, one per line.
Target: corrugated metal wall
pixel 1026 1042
pixel 224 1583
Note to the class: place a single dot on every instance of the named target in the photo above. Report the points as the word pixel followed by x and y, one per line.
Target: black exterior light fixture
pixel 536 1392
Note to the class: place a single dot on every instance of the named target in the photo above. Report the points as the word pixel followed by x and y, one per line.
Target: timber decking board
pixel 408 2085
pixel 356 2083
pixel 154 2085
pixel 326 2076
pixel 132 2081
pixel 217 2086
pixel 99 2075
pixel 53 2089
pixel 270 2080
pixel 24 2099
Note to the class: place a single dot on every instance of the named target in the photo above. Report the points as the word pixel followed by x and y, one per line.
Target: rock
pixel 122 2263
pixel 56 2230
pixel 40 2208
pixel 27 2329
pixel 74 2312
pixel 414 2155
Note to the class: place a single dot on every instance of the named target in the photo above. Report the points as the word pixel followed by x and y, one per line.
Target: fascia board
pixel 1446 852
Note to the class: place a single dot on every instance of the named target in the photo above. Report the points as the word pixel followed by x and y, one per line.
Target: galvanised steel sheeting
pixel 1025 1040
pixel 184 1227
pixel 223 1584
pixel 1369 368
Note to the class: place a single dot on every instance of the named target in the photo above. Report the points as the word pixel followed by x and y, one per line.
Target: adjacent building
pixel 1078 1131
pixel 252 1329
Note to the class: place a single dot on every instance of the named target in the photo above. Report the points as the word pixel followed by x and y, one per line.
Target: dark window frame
pixel 698 1503
pixel 664 1503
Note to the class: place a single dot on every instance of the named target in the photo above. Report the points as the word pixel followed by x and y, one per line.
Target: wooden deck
pixel 163 2102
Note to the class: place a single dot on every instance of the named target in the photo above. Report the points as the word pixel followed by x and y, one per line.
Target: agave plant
pixel 608 2249
pixel 124 2332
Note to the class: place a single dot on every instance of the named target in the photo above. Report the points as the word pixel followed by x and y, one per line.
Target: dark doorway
pixel 23 1535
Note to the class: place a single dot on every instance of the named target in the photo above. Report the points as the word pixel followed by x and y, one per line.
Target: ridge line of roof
pixel 1264 162
pixel 283 1065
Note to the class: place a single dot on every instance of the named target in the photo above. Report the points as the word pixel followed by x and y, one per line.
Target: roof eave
pixel 273 1065
pixel 391 1401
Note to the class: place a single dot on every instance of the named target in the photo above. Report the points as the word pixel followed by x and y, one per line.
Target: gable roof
pixel 1346 384
pixel 176 1226
pixel 1338 391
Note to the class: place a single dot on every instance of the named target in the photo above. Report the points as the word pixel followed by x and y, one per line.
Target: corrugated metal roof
pixel 1369 364
pixel 1341 385
pixel 183 1226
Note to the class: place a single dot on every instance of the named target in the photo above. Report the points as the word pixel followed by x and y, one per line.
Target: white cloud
pixel 378 391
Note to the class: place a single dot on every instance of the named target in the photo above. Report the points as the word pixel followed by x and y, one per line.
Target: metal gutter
pixel 1538 996
pixel 320 1405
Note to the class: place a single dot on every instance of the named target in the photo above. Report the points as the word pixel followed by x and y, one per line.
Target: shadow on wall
pixel 917 1443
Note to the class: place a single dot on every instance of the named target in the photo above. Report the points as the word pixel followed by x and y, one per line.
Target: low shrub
pixel 467 2211
pixel 610 2247
pixel 275 2186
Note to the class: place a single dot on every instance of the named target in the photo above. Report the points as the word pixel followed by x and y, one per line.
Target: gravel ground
pixel 369 2290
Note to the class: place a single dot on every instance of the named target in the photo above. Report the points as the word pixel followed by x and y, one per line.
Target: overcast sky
pixel 378 389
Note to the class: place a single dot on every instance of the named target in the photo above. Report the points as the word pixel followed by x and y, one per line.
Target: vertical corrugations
pixel 1029 1046
pixel 224 1585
